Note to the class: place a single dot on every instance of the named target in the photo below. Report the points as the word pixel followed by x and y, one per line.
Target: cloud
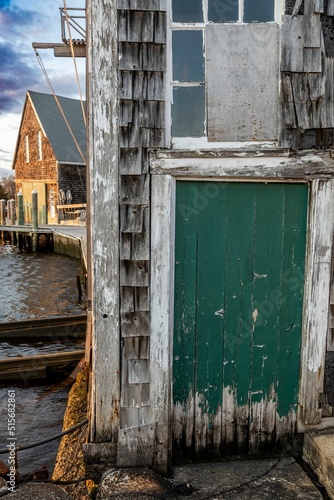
pixel 12 18
pixel 19 70
pixel 16 76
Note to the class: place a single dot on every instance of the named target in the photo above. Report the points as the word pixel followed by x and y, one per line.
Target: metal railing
pixel 73 24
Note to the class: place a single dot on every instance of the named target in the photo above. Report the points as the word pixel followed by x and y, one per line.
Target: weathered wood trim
pixel 300 167
pixel 330 8
pixel 162 286
pixel 326 423
pixel 162 316
pixel 103 153
pixel 135 446
pixel 255 152
pixel 316 300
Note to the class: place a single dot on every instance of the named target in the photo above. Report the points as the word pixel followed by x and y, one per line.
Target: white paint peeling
pixel 260 276
pixel 255 315
pixel 194 419
pixel 221 313
pixel 98 248
pixel 245 167
pixel 203 143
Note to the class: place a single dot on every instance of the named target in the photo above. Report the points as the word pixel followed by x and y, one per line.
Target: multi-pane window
pixel 26 148
pixel 39 145
pixel 223 11
pixel 188 24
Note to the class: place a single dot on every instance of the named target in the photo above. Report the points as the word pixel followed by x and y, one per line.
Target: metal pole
pixel 20 219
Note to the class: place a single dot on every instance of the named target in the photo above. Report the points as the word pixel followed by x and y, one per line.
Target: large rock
pixel 39 491
pixel 126 483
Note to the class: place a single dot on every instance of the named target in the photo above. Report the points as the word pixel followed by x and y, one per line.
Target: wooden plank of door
pixel 291 304
pixel 241 216
pixel 184 313
pixel 266 278
pixel 209 318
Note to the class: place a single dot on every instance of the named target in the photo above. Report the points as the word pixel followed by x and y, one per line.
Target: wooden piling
pixel 34 210
pixel 20 209
pixel 2 212
pixel 12 215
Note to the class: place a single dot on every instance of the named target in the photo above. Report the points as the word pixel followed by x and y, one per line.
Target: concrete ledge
pixel 318 452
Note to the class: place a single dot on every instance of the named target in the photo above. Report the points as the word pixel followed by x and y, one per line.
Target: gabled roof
pixel 55 127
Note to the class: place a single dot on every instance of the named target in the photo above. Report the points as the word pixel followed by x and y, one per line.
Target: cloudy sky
pixel 21 23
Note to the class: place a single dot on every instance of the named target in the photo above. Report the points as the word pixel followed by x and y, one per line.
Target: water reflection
pixel 39 415
pixel 37 285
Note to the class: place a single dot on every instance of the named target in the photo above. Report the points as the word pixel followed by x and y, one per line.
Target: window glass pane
pixel 223 11
pixel 188 58
pixel 188 112
pixel 187 11
pixel 258 10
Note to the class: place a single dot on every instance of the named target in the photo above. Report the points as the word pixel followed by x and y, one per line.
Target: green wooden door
pixel 239 277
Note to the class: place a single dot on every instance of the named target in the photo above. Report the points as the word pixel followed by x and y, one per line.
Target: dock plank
pixel 32 367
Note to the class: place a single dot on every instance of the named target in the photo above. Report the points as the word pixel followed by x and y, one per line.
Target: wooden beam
pixel 62 49
pixel 104 219
pixel 65 51
pixel 162 317
pixel 299 167
pixel 32 367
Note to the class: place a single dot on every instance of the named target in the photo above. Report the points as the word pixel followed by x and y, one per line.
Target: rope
pixel 40 62
pixel 74 60
pixel 53 438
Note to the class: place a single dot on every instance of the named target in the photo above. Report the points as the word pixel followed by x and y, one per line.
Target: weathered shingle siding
pixel 73 178
pixel 142 65
pixel 307 75
pixel 34 169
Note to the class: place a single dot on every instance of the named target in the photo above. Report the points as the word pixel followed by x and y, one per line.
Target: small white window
pixel 26 148
pixel 39 143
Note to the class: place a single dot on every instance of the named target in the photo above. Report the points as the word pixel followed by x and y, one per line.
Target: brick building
pixel 50 155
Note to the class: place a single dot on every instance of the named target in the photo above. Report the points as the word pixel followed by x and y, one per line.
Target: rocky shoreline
pixel 70 464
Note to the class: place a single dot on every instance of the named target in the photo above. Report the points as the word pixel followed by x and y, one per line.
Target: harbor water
pixel 36 286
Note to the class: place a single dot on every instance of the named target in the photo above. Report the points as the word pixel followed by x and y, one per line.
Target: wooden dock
pixel 66 240
pixel 50 329
pixel 42 366
pixel 39 367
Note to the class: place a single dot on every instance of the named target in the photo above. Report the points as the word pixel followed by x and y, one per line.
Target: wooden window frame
pixel 39 145
pixel 166 169
pixel 26 148
pixel 189 142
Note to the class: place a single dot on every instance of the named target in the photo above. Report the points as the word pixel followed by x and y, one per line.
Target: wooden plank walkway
pixel 77 232
pixel 37 367
pixel 51 329
pixel 25 230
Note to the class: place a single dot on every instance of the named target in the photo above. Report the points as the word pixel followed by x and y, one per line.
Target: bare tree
pixel 8 186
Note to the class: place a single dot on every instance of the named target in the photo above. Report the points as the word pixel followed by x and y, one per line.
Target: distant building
pixel 49 155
